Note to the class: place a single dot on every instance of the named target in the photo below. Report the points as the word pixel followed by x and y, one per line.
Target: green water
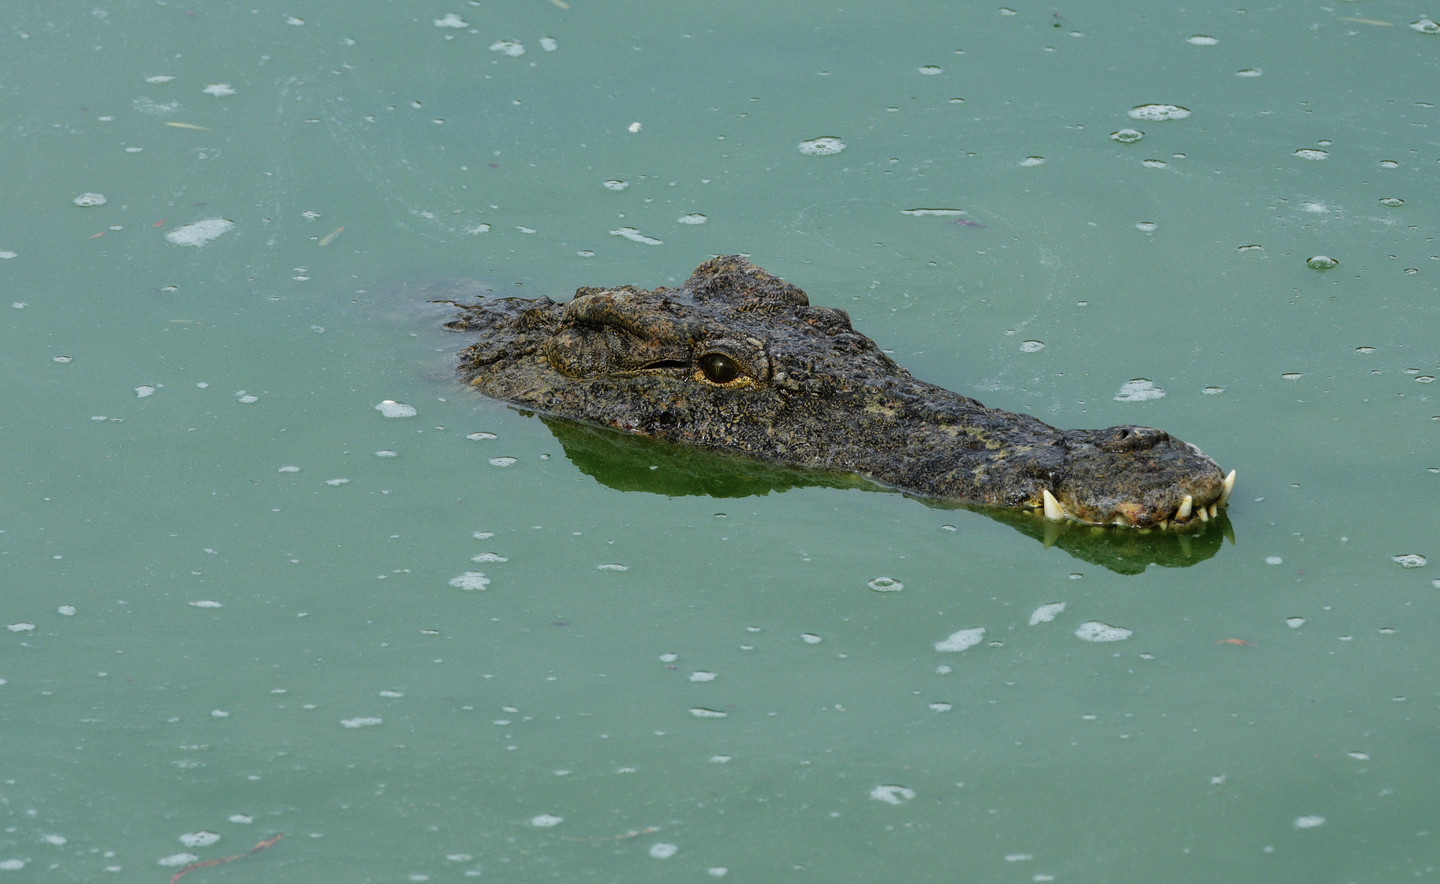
pixel 228 579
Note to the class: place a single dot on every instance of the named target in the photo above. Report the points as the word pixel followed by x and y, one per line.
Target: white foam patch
pixel 1095 631
pixel 663 850
pixel 1139 390
pixel 199 839
pixel 471 581
pixel 451 20
pixel 824 146
pixel 391 408
pixel 892 794
pixel 200 233
pixel 1046 613
pixel 634 235
pixel 546 821
pixel 363 721
pixel 1309 821
pixel 1159 112
pixel 961 640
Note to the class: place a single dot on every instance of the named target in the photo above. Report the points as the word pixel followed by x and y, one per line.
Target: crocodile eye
pixel 718 368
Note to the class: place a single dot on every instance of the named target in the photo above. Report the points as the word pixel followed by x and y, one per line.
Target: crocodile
pixel 736 360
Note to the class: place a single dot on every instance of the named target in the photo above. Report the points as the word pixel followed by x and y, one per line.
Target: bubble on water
pixel 702 676
pixel 1154 164
pixel 717 871
pixel 219 713
pixel 885 584
pixel 480 436
pixel 503 461
pixel 1389 164
pixel 451 20
pixel 1309 822
pixel 288 468
pixel 939 706
pixel 206 603
pixel 66 610
pixel 385 452
pixel 200 232
pixel 240 819
pixel 489 558
pixel 546 821
pixel 55 840
pixel 470 581
pixel 1425 26
pixel 692 218
pixel 1249 72
pixel 612 566
pixel 199 839
pixel 7 255
pixel 810 638
pixel 21 627
pixel 391 695
pixel 1425 379
pixel 1201 40
pixel 1159 112
pixel 1366 351
pixel 1274 560
pixel 1046 613
pixel 219 90
pixel 1127 135
pixel 337 482
pixel 824 146
pixel 86 200
pixel 1410 560
pixel 614 184
pixel 1213 391
pixel 702 712
pixel 1031 346
pixel 178 859
pixel 663 850
pixel 1139 390
pixel 931 70
pixel 892 794
pixel 1033 161
pixel 391 408
pixel 1292 375
pixel 1393 202
pixel 634 235
pixel 1095 631
pixel 512 48
pixel 1146 226
pixel 1321 262
pixel 549 44
pixel 1294 622
pixel 144 390
pixel 961 640
pixel 362 721
pixel 1312 153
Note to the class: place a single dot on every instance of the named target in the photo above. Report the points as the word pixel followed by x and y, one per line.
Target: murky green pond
pixel 254 623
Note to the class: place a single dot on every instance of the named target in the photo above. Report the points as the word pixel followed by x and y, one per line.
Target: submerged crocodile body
pixel 736 360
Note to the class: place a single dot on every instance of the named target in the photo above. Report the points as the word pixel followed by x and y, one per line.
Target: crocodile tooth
pixel 1183 512
pixel 1214 510
pixel 1226 487
pixel 1053 508
pixel 1203 513
pixel 1163 524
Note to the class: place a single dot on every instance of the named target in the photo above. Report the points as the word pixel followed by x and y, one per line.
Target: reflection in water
pixel 639 463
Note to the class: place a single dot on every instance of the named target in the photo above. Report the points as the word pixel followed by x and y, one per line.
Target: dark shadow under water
pixel 638 463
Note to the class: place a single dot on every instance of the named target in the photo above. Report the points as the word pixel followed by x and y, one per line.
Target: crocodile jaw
pixel 1137 515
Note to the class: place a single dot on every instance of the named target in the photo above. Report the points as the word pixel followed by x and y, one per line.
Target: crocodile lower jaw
pixel 1184 514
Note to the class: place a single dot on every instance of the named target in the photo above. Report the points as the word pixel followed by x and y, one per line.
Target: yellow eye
pixel 718 368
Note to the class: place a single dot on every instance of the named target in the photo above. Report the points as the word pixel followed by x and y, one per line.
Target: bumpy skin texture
pixel 737 360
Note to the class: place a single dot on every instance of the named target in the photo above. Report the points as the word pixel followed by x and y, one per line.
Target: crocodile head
pixel 737 360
